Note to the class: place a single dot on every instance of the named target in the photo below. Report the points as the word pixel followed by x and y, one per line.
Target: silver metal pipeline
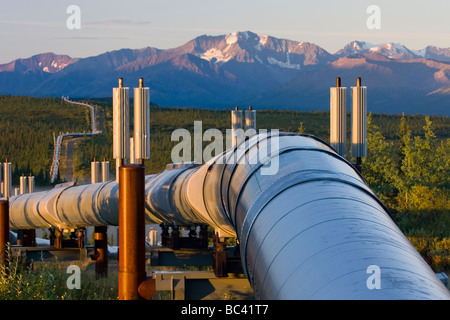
pixel 307 224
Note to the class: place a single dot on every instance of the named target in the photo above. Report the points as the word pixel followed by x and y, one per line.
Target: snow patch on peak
pixel 420 53
pixel 362 45
pixel 215 55
pixel 281 64
pixel 367 46
pixel 232 37
pixel 263 39
pixel 397 47
pixel 244 34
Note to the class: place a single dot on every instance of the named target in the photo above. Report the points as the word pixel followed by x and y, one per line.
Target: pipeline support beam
pixel 131 231
pixel 4 229
pixel 101 251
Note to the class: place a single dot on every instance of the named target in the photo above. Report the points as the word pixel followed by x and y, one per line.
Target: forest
pixel 408 162
pixel 27 126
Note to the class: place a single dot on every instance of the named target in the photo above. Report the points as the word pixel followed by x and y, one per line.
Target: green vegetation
pixel 26 132
pixel 39 280
pixel 47 281
pixel 412 177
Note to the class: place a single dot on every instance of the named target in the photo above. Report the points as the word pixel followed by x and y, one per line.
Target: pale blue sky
pixel 29 27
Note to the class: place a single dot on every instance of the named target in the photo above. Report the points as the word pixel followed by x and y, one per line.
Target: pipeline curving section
pixel 307 224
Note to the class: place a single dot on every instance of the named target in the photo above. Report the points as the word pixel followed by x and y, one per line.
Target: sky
pixel 29 27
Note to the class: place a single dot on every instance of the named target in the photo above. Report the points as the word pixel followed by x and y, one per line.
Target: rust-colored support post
pixel 58 243
pixel 164 233
pixel 175 237
pixel 52 236
pixel 101 251
pixel 219 257
pixel 131 230
pixel 81 238
pixel 4 230
pixel 29 238
pixel 204 236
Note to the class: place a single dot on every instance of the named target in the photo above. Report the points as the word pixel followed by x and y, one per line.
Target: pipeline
pixel 311 229
pixel 61 137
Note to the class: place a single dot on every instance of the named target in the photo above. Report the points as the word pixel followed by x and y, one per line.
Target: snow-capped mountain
pixel 389 50
pixel 45 62
pixel 394 51
pixel 433 52
pixel 246 68
pixel 250 47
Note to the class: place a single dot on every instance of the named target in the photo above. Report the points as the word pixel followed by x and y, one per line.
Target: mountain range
pixel 245 68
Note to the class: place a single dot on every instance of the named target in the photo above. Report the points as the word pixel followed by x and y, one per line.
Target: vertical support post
pixel 4 229
pixel 58 243
pixel 175 237
pixel 131 231
pixel 152 237
pixel 250 122
pixel 7 178
pixel 236 127
pixel 1 180
pixel 105 171
pixel 30 184
pixel 164 233
pixel 338 118
pixel 359 123
pixel 203 235
pixel 81 237
pixel 23 184
pixel 52 236
pixel 29 237
pixel 95 171
pixel 219 257
pixel 19 240
pixel 101 251
pixel 119 163
pixel 141 134
pixel 121 124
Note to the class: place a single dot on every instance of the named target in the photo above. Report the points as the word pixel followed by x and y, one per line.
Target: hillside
pixel 245 68
pixel 26 132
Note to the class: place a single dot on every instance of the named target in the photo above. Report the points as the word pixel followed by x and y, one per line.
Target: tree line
pixel 27 125
pixel 412 177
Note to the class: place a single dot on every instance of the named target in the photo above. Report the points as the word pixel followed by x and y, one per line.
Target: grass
pixel 43 280
pixel 39 280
